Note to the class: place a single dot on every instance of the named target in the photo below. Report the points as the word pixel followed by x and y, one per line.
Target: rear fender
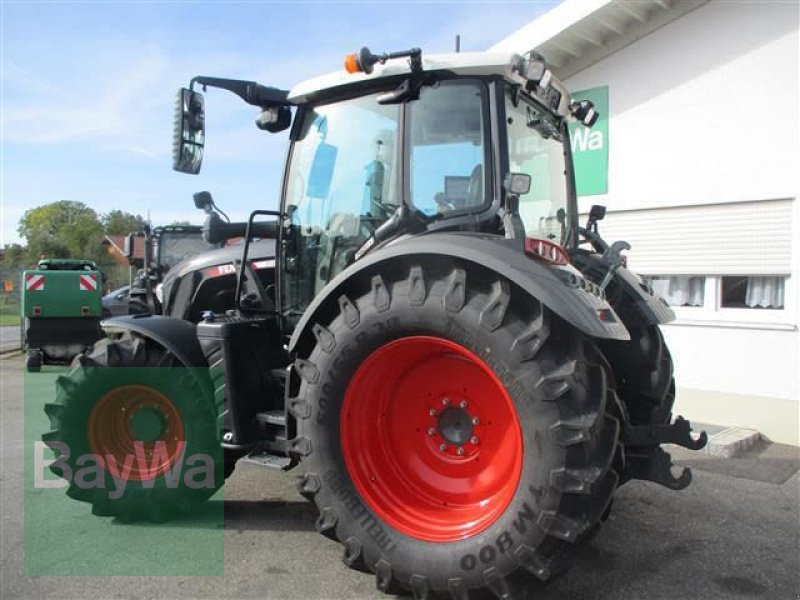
pixel 633 300
pixel 175 335
pixel 579 307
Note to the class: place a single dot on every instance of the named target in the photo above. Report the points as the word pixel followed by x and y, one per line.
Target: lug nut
pixel 432 412
pixel 460 451
pixel 475 420
pixel 463 404
pixel 431 431
pixel 474 440
pixel 445 401
pixel 443 447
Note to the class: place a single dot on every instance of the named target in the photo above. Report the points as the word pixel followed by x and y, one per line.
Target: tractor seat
pixel 475 189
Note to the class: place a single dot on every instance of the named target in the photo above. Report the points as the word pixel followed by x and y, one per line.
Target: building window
pixel 679 290
pixel 752 292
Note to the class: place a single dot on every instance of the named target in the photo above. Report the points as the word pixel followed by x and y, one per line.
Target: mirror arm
pixel 249 91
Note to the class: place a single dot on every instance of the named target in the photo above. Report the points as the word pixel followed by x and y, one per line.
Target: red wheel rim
pixel 140 429
pixel 431 439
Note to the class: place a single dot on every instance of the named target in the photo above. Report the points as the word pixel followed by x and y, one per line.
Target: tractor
pixel 463 373
pixel 163 248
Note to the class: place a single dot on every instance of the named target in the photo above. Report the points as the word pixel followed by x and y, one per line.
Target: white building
pixel 702 153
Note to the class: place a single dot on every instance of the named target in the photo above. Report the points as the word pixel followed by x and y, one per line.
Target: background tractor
pixel 186 275
pixel 463 373
pixel 163 248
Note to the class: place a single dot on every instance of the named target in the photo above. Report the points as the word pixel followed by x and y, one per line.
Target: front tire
pixel 409 493
pixel 131 402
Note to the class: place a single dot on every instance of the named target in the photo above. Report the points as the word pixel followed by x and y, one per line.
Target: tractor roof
pixel 462 63
pixel 66 264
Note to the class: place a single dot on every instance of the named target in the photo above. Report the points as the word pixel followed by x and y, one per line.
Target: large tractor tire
pixel 454 433
pixel 131 400
pixel 644 375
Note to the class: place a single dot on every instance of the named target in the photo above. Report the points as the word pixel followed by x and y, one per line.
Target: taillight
pixel 546 250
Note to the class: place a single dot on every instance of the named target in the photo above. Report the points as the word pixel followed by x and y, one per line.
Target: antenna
pixel 458 43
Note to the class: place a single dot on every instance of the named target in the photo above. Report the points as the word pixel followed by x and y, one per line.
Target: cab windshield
pixel 175 247
pixel 535 148
pixel 341 185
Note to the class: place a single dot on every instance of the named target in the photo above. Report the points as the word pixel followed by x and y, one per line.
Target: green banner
pixel 590 146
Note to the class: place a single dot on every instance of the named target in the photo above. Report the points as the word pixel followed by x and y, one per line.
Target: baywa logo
pixel 148 463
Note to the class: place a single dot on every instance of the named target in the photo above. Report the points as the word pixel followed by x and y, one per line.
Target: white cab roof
pixel 462 63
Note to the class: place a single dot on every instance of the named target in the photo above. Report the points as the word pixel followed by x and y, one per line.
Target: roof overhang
pixel 579 33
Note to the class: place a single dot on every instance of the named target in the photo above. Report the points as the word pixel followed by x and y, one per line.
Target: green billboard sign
pixel 590 146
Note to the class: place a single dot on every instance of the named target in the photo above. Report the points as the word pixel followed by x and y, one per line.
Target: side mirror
pixel 189 129
pixel 597 213
pixel 203 200
pixel 129 245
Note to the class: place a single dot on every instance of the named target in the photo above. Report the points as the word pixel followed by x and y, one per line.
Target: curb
pixel 732 442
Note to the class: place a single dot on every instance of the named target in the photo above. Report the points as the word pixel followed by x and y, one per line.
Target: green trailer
pixel 61 310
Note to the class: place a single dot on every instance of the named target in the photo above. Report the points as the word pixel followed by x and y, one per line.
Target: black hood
pixel 257 251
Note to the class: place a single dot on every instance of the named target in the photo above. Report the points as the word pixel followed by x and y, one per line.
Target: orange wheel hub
pixel 139 426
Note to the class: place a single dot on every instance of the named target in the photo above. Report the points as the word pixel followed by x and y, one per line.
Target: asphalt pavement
pixel 9 338
pixel 734 533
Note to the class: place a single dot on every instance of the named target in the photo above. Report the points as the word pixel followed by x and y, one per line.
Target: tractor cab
pixel 405 144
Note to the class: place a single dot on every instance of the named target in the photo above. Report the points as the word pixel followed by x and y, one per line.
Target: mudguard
pixel 634 301
pixel 584 310
pixel 177 336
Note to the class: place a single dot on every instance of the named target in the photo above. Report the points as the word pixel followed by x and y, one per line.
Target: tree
pixel 119 222
pixel 180 223
pixel 13 255
pixel 63 229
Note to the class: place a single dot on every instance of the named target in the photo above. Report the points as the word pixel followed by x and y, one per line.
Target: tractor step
pixel 270 461
pixel 272 417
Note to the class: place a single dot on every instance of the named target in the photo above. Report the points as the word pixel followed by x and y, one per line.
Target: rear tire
pixel 557 388
pixel 131 391
pixel 644 375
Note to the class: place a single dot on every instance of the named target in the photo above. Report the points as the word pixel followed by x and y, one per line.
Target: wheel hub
pixel 455 426
pixel 139 426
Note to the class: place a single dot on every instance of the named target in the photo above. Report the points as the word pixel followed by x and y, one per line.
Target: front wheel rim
pixel 431 439
pixel 139 429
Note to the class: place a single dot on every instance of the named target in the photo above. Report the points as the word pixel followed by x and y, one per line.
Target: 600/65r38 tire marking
pixel 397 375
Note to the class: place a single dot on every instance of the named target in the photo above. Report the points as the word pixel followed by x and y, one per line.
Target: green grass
pixel 9 320
pixel 9 313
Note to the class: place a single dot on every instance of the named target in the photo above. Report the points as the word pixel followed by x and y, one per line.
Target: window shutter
pixel 744 238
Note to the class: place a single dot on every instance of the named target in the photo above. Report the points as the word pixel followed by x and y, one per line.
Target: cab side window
pixel 448 165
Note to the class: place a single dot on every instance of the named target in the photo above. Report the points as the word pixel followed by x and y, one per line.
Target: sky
pixel 88 88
